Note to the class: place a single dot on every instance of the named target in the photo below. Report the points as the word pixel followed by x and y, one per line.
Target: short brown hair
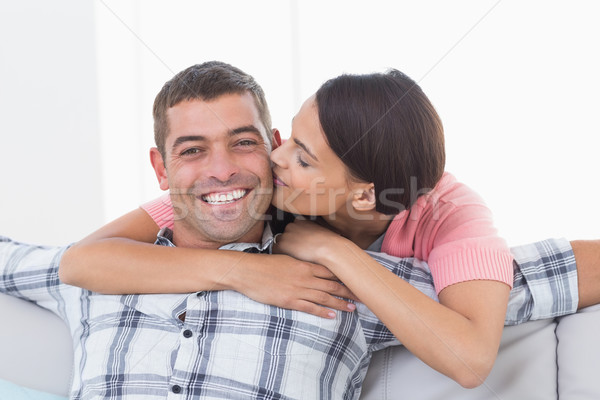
pixel 386 131
pixel 206 81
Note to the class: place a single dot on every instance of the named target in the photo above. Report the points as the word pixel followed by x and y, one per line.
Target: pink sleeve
pixel 161 211
pixel 468 248
pixel 452 231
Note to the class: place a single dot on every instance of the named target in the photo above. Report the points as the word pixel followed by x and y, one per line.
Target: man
pixel 216 344
pixel 217 146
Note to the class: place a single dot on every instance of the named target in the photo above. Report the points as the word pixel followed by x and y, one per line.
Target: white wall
pixel 514 82
pixel 49 153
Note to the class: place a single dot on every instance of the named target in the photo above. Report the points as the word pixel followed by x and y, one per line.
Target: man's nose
pixel 223 165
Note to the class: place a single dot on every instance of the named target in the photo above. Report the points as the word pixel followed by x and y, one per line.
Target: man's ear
pixel 276 138
pixel 159 168
pixel 364 197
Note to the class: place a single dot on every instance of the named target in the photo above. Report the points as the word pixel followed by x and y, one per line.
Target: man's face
pixel 217 169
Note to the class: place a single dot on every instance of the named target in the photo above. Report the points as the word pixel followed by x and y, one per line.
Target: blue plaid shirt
pixel 227 346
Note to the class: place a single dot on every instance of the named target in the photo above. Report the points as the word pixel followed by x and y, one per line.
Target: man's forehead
pixel 225 115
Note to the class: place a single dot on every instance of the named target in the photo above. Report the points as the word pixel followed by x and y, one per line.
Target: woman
pixel 332 168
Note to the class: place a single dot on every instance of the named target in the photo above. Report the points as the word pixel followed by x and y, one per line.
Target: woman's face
pixel 308 177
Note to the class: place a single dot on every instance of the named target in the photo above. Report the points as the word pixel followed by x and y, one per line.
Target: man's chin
pixel 229 234
pixel 227 226
pixel 226 223
pixel 226 216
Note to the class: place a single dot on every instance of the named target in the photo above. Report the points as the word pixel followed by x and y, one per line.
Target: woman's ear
pixel 276 138
pixel 364 198
pixel 159 168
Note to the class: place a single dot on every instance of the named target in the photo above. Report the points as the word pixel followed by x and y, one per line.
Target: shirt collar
pixel 165 238
pixel 377 244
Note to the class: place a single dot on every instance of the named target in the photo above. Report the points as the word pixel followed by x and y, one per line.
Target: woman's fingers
pixel 323 306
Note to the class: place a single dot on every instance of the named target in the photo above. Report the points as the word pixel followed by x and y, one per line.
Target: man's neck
pixel 184 236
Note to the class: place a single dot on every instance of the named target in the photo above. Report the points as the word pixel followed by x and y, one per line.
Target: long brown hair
pixel 386 131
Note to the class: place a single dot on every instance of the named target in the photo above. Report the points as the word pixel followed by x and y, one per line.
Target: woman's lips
pixel 277 181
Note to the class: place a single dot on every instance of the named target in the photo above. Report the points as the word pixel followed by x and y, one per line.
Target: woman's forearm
pixel 125 266
pixel 459 337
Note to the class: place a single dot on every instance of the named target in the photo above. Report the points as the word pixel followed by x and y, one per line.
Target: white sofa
pixel 543 360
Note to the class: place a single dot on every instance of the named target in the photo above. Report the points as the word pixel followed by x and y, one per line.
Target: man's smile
pixel 218 198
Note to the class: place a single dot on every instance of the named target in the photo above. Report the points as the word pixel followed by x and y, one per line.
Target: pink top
pixel 450 228
pixel 161 211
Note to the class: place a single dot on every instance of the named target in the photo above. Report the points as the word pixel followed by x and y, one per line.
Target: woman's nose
pixel 278 156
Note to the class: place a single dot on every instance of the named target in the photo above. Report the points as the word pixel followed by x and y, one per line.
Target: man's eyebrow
pixel 299 143
pixel 192 138
pixel 200 138
pixel 246 128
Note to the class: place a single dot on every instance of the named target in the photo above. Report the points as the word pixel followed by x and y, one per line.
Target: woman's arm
pixel 459 336
pixel 120 258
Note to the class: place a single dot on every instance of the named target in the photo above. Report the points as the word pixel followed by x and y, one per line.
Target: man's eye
pixel 246 142
pixel 190 152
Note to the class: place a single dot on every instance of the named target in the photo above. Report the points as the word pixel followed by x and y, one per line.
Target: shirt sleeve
pixel 161 211
pixel 467 247
pixel 30 272
pixel 413 271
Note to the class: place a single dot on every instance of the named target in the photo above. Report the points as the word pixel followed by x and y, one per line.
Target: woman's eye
pixel 301 162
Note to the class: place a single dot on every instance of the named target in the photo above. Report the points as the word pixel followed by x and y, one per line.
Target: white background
pixel 515 82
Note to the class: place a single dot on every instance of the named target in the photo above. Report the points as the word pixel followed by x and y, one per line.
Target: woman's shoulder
pixel 451 210
pixel 451 190
pixel 161 211
pixel 448 197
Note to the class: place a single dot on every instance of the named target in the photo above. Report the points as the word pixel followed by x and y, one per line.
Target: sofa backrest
pixel 35 347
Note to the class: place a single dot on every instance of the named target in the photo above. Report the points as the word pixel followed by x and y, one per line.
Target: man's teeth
pixel 224 198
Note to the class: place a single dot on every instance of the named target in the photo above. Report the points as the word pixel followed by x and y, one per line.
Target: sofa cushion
pixel 578 355
pixel 525 369
pixel 12 391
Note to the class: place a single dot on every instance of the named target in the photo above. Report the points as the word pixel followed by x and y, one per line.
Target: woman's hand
pixel 285 282
pixel 116 250
pixel 307 241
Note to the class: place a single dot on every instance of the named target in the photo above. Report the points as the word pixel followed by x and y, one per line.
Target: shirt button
pixel 176 389
pixel 187 333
